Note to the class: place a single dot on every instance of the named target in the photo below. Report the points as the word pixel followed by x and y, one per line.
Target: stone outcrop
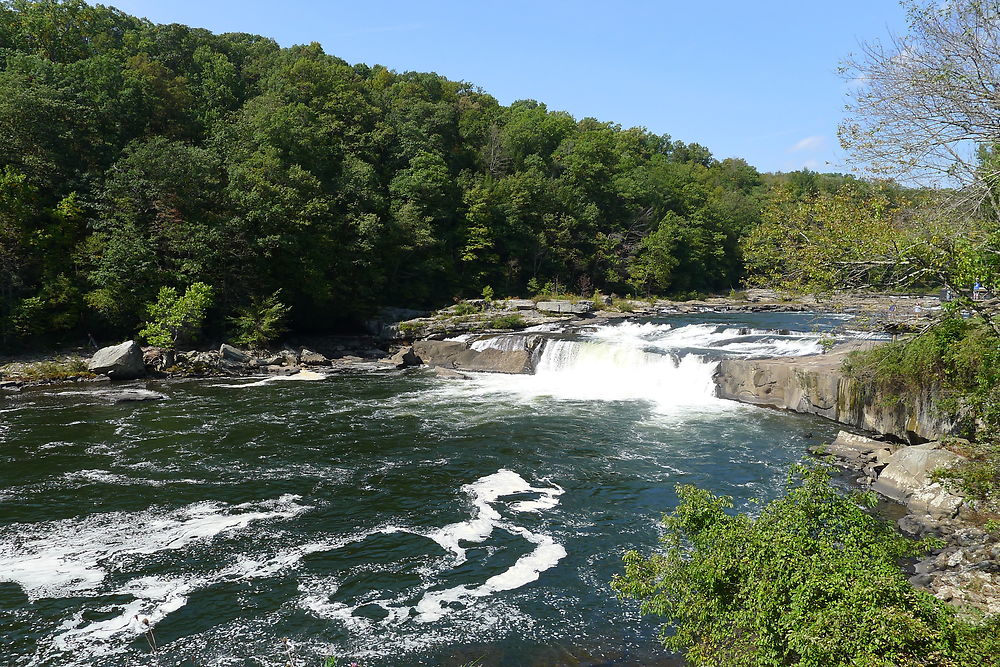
pixel 816 385
pixel 459 356
pixel 231 353
pixel 966 569
pixel 119 362
pixel 566 307
pixel 908 472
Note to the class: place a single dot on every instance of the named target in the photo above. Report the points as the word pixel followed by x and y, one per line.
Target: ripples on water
pixel 390 517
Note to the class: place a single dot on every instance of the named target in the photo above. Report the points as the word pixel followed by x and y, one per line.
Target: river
pixel 389 517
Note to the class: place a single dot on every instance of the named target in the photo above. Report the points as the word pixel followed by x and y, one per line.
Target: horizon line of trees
pixel 137 156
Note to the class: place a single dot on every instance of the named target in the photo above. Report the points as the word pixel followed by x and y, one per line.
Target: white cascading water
pixel 670 368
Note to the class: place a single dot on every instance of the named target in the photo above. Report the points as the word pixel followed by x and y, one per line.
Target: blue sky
pixel 756 80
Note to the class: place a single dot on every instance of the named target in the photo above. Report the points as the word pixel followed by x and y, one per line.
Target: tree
pixel 173 318
pixel 813 580
pixel 261 322
pixel 925 110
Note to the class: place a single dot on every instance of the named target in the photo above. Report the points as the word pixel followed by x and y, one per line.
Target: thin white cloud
pixel 812 143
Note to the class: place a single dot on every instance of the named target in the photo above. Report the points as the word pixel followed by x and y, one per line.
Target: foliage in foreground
pixel 814 580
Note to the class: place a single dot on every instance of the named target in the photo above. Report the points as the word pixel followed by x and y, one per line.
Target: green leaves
pixel 173 318
pixel 812 580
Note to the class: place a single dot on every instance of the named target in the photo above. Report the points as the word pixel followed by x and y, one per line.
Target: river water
pixel 388 517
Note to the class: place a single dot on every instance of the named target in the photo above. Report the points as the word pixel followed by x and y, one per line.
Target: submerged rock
pixel 119 362
pixel 132 395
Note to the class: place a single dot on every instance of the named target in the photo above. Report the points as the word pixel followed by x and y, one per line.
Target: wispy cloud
pixel 812 143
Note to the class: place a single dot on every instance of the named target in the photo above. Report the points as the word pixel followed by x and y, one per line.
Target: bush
pixel 176 318
pixel 260 323
pixel 813 580
pixel 464 308
pixel 511 321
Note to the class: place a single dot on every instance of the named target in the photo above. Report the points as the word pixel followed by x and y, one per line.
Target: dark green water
pixel 389 517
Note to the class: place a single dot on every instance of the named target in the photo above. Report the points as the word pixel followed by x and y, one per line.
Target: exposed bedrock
pixel 816 385
pixel 459 356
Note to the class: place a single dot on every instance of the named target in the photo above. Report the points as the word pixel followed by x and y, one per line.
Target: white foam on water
pixel 301 376
pixel 485 493
pixel 72 556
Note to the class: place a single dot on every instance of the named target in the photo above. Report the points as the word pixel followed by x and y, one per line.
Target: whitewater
pixel 389 517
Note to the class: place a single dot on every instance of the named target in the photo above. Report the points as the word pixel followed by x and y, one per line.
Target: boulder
pixel 567 307
pixel 310 358
pixel 229 352
pixel 132 396
pixel 909 469
pixel 935 501
pixel 458 356
pixel 519 304
pixel 405 357
pixel 119 362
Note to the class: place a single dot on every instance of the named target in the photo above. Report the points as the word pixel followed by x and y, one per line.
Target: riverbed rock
pixel 310 358
pixel 566 307
pixel 132 395
pixel 119 362
pixel 909 469
pixel 457 355
pixel 404 358
pixel 231 353
pixel 449 374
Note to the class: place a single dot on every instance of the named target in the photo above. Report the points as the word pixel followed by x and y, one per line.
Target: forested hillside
pixel 135 156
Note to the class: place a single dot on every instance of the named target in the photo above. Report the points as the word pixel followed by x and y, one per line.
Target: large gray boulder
pixel 567 307
pixel 908 471
pixel 231 353
pixel 456 355
pixel 119 362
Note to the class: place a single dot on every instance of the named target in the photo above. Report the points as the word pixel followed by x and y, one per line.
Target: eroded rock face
pixel 456 355
pixel 816 385
pixel 119 362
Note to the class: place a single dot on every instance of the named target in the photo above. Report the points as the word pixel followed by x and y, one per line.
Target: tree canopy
pixel 136 156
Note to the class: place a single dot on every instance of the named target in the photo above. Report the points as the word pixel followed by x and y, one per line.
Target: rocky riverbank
pixel 816 385
pixel 965 569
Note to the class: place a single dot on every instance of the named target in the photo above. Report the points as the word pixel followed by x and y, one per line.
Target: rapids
pixel 389 517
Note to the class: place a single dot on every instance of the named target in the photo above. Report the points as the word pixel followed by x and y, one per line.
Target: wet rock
pixel 449 374
pixel 458 356
pixel 119 362
pixel 404 357
pixel 132 395
pixel 231 353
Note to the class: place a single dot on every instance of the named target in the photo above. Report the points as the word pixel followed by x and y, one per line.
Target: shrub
pixel 813 580
pixel 464 308
pixel 260 323
pixel 510 321
pixel 175 318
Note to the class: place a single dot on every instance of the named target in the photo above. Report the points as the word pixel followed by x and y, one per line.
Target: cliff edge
pixel 816 385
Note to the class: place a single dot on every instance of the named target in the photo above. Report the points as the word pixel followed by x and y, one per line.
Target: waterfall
pixel 670 367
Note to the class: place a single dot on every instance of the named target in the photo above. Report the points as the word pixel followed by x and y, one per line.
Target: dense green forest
pixel 136 156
